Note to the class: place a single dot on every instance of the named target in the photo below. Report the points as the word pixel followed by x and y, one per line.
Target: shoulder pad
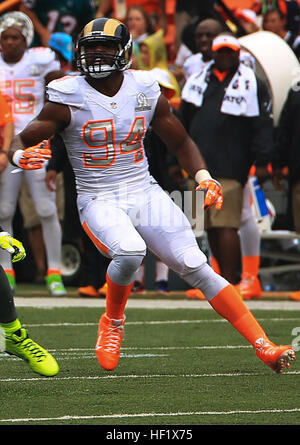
pixel 65 90
pixel 42 55
pixel 144 78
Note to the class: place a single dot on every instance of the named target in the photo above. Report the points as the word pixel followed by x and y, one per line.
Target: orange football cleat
pixel 277 357
pixel 103 290
pixel 195 293
pixel 109 339
pixel 295 295
pixel 88 291
pixel 249 287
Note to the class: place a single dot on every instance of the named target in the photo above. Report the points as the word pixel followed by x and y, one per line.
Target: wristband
pixel 16 157
pixel 5 234
pixel 202 175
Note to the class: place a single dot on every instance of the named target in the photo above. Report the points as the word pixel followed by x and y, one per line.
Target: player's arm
pixel 173 134
pixel 26 149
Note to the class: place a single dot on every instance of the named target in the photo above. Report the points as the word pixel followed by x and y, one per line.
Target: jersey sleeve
pixel 45 58
pixel 65 91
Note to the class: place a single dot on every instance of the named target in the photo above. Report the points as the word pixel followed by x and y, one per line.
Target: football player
pixel 23 74
pixel 102 117
pixel 14 338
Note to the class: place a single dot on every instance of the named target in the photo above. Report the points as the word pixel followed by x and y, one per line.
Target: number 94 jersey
pixel 104 139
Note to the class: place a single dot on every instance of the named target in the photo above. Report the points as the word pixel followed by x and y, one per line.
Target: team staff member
pixel 103 116
pixel 225 110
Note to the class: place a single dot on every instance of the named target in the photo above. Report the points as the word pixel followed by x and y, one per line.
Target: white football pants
pixel 45 205
pixel 122 226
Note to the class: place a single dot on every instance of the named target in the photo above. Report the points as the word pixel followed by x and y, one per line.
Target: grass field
pixel 178 367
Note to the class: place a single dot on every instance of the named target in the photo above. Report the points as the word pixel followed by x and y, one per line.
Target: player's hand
pixel 212 193
pixel 34 158
pixel 13 246
pixel 51 180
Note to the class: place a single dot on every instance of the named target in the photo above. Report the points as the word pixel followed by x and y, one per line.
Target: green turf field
pixel 177 367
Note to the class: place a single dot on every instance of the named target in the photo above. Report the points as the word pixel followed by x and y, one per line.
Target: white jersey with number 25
pixel 23 83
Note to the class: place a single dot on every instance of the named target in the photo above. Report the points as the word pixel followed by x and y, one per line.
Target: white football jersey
pixel 23 83
pixel 104 139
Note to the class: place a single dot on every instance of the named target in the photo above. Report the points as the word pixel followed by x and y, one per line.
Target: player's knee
pixel 45 208
pixel 125 267
pixel 133 247
pixel 129 258
pixel 193 259
pixel 7 210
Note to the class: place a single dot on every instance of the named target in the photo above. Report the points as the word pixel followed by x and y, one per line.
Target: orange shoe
pixel 277 357
pixel 249 287
pixel 295 295
pixel 103 290
pixel 109 339
pixel 88 291
pixel 195 293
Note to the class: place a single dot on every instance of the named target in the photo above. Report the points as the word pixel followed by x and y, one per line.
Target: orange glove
pixel 212 193
pixel 33 158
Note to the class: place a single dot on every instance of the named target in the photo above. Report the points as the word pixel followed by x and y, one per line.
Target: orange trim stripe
pixel 95 240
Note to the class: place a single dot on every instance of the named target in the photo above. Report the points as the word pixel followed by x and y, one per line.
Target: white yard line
pixel 131 416
pixel 53 302
pixel 136 376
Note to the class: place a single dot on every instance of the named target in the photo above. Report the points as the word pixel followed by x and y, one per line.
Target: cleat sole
pixel 284 360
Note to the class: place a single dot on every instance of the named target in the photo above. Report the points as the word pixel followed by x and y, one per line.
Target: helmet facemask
pixel 100 64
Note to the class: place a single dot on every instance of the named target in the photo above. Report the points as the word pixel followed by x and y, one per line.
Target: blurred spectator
pixel 140 27
pixel 156 10
pixel 62 45
pixel 275 21
pixel 233 131
pixel 248 20
pixel 289 8
pixel 49 16
pixel 24 73
pixel 205 31
pixel 190 11
pixel 287 154
pixel 153 54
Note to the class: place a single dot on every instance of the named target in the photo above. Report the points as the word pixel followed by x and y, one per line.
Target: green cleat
pixel 40 361
pixel 55 285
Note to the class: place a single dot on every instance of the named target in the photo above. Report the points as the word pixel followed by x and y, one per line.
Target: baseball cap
pixel 246 14
pixel 225 41
pixel 62 43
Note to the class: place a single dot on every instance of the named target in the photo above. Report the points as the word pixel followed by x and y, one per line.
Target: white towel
pixel 240 97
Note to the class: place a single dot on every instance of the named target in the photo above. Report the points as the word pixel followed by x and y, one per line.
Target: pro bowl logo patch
pixel 142 102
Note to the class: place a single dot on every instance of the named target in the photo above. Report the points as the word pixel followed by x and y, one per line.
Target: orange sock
pixel 229 305
pixel 10 271
pixel 250 265
pixel 116 298
pixel 53 271
pixel 215 265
